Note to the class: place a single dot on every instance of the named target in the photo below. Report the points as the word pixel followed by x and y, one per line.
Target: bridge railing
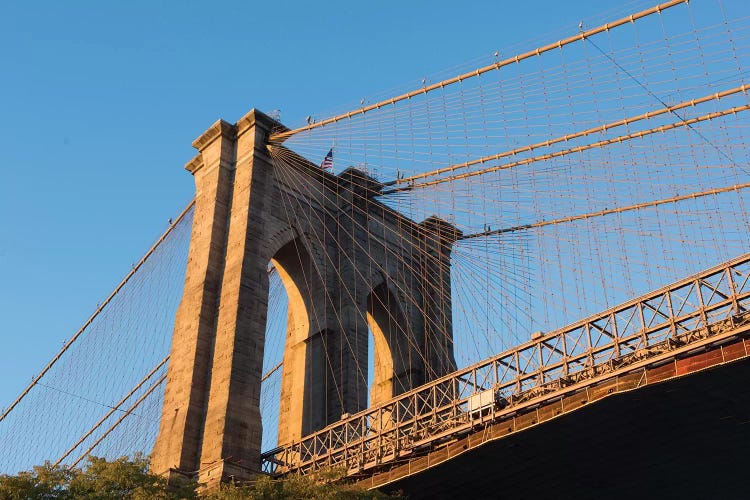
pixel 664 320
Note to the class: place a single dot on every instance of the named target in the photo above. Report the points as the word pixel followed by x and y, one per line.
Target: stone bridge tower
pixel 351 266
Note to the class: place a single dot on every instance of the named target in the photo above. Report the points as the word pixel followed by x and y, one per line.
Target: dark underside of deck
pixel 688 437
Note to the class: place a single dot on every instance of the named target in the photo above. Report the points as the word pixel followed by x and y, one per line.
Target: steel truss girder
pixel 711 303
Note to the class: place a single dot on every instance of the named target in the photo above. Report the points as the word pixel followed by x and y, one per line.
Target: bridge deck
pixel 682 437
pixel 691 324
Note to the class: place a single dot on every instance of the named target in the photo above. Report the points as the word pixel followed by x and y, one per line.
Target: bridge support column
pixel 211 427
pixel 232 430
pixel 177 448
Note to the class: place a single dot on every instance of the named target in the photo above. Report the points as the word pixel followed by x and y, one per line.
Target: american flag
pixel 327 163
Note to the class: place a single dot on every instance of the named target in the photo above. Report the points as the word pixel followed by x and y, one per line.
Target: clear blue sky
pixel 99 102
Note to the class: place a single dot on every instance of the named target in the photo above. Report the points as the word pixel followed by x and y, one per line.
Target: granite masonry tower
pixel 352 268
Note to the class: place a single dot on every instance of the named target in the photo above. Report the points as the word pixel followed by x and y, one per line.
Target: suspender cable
pixel 99 309
pixel 565 138
pixel 119 420
pixel 111 411
pixel 577 149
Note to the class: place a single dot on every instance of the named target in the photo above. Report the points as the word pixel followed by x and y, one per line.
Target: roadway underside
pixel 688 437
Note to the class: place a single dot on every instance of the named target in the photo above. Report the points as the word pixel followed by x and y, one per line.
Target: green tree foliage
pixel 43 482
pixel 326 485
pixel 100 479
pixel 130 479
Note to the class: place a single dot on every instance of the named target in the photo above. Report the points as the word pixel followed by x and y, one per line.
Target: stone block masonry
pixel 352 267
